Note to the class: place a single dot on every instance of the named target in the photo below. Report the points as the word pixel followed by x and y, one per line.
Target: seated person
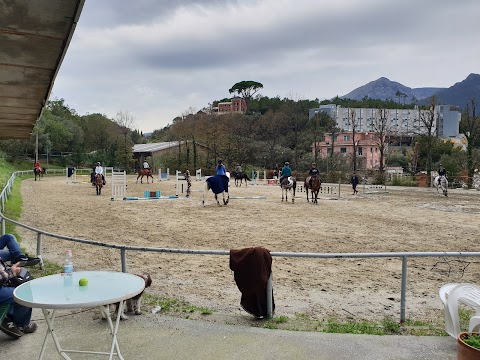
pixel 14 254
pixel 18 320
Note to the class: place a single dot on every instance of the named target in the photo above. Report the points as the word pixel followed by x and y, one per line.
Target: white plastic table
pixel 63 292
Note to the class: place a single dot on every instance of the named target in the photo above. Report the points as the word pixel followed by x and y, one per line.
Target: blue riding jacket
pixel 286 171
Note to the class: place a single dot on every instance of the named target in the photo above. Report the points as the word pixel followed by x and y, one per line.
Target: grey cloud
pixel 111 13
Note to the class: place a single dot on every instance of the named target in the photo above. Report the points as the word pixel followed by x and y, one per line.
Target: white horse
pixel 289 184
pixel 216 184
pixel 442 182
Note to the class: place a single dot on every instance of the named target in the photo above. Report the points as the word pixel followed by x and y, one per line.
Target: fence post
pixel 123 256
pixel 3 226
pixel 269 297
pixel 403 294
pixel 39 249
pixel 339 185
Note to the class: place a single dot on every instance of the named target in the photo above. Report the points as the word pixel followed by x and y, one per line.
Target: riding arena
pixel 401 219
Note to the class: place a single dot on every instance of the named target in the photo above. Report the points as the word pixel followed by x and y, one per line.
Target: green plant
pixel 473 340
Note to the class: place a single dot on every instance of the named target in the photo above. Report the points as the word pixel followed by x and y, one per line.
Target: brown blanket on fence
pixel 252 268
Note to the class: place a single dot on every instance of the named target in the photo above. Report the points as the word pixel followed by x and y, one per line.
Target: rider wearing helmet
pixel 286 171
pixel 441 172
pixel 99 170
pixel 312 172
pixel 222 171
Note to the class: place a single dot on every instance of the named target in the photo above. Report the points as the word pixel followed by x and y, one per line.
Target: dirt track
pixel 401 220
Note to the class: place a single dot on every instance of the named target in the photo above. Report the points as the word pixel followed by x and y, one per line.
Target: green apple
pixel 83 282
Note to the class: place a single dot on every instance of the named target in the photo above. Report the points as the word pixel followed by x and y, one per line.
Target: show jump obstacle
pixel 119 185
pixel 164 176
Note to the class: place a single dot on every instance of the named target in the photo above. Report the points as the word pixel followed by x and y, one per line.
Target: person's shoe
pixel 26 260
pixel 30 328
pixel 9 328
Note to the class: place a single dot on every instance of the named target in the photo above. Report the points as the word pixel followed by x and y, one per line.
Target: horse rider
pixel 99 170
pixel 441 172
pixel 313 172
pixel 188 179
pixel 238 169
pixel 275 171
pixel 146 167
pixel 354 181
pixel 37 166
pixel 286 172
pixel 222 171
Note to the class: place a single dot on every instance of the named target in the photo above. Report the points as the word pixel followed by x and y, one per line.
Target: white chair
pixel 451 295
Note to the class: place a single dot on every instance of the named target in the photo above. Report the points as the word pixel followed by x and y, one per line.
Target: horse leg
pixel 136 182
pixel 282 194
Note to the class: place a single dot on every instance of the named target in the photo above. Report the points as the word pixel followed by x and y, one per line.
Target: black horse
pixel 38 172
pixel 239 177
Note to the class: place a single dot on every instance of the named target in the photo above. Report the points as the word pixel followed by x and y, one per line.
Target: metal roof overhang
pixel 34 37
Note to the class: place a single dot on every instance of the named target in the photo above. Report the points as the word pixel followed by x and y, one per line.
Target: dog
pixel 133 304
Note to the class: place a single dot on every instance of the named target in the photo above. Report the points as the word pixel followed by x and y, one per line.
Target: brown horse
pixel 98 183
pixel 144 172
pixel 315 188
pixel 289 183
pixel 38 172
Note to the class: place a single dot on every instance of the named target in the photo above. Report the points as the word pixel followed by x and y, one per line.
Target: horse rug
pixel 218 183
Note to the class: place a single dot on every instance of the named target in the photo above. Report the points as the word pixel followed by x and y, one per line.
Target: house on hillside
pixel 368 154
pixel 235 105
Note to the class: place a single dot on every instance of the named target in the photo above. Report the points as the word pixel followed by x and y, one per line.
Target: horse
pixel 144 172
pixel 219 185
pixel 38 172
pixel 239 177
pixel 442 182
pixel 315 188
pixel 99 183
pixel 288 183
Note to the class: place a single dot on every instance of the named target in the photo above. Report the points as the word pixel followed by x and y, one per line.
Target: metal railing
pixel 123 252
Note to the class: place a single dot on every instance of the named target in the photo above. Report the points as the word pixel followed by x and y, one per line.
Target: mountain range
pixel 458 94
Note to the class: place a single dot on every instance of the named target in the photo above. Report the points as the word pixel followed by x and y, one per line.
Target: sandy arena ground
pixel 405 219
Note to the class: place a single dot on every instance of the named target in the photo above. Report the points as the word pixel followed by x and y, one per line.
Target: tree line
pixel 273 131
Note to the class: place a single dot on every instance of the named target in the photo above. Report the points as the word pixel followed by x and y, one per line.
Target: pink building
pixel 368 154
pixel 236 105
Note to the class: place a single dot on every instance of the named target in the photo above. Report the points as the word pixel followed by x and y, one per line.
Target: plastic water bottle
pixel 68 263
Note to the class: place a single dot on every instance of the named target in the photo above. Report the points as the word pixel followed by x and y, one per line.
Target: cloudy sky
pixel 157 59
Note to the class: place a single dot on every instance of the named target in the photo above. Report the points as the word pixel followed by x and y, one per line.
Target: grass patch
pixel 387 326
pixel 174 306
